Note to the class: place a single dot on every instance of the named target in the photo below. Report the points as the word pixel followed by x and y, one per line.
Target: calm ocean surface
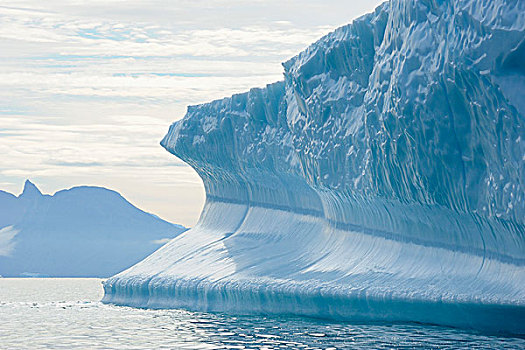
pixel 67 314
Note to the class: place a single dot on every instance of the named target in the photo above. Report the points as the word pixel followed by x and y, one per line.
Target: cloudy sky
pixel 89 88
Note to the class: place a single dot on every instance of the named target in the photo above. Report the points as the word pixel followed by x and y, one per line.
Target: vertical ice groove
pixel 383 179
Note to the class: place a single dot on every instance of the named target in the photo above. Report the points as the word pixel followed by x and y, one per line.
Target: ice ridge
pixel 383 179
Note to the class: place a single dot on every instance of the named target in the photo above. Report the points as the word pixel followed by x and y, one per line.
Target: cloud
pixel 161 241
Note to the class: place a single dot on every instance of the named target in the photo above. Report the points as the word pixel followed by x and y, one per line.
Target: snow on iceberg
pixel 382 180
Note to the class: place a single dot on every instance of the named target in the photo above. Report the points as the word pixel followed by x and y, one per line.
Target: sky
pixel 89 88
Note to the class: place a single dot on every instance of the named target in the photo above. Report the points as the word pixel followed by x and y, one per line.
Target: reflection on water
pixel 66 313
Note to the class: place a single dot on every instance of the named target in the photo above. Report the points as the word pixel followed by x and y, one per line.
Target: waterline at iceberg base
pixel 382 180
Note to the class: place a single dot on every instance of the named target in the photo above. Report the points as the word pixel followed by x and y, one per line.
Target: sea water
pixel 67 313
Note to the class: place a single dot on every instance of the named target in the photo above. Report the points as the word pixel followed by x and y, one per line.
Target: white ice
pixel 383 179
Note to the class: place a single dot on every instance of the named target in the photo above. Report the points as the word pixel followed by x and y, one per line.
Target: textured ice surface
pixel 83 231
pixel 383 179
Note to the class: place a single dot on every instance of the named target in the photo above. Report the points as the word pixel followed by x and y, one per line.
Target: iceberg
pixel 84 231
pixel 382 180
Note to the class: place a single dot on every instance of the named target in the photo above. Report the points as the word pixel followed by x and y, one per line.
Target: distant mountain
pixel 84 231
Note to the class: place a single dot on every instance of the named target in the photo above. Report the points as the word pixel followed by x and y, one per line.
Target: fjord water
pixel 67 313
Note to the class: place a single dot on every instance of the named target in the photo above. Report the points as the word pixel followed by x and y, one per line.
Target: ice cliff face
pixel 383 176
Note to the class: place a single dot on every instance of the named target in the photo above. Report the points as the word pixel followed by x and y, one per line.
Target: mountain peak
pixel 30 190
